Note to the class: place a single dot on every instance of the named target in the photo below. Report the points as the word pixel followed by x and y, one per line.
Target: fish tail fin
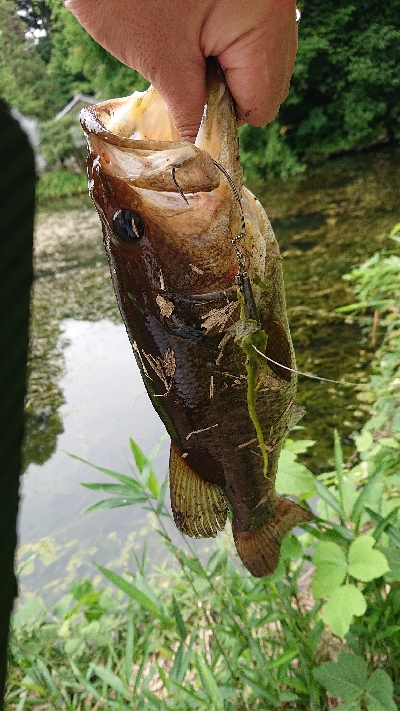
pixel 259 549
pixel 199 507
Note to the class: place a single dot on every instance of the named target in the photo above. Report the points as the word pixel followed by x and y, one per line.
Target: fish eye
pixel 128 226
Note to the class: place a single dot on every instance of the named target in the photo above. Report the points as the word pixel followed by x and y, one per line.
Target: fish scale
pixel 172 232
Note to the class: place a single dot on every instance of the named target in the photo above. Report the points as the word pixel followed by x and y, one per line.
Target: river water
pixel 85 393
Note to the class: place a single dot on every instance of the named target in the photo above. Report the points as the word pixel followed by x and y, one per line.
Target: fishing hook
pixel 178 187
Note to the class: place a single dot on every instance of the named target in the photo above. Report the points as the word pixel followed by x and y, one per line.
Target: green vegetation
pixel 61 183
pixel 344 90
pixel 322 632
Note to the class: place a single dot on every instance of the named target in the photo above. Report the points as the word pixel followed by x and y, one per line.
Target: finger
pixel 184 91
pixel 258 72
pixel 175 67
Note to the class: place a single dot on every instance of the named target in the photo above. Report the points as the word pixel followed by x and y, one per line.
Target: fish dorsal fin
pixel 199 508
pixel 218 130
pixel 278 347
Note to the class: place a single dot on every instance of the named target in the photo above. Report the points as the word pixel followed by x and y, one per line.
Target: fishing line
pixel 306 375
pixel 242 276
pixel 239 255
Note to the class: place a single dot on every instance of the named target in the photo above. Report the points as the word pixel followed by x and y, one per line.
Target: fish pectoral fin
pixel 259 549
pixel 278 348
pixel 199 507
pixel 296 415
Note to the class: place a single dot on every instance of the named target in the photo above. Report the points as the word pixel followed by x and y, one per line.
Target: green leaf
pixel 331 568
pixel 111 680
pixel 344 602
pixel 161 496
pixel 179 619
pixel 133 592
pixel 338 454
pixel 328 497
pixel 365 562
pixel 282 659
pixel 138 454
pixel 364 441
pixel 80 588
pixel 392 531
pixel 115 475
pixel 299 446
pixel 209 684
pixel 129 647
pixel 29 613
pixel 379 692
pixel 392 556
pixel 293 477
pixel 383 525
pixel 153 484
pixel 114 503
pixel 120 489
pixel 291 547
pixel 345 678
pixel 363 496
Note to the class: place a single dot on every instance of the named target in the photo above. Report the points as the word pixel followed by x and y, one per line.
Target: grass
pixel 322 632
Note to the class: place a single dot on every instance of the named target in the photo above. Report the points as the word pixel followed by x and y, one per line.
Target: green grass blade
pixel 179 619
pixel 124 478
pixel 209 684
pixel 282 659
pixel 392 531
pixel 111 680
pixel 133 593
pixel 382 525
pixel 113 504
pixel 338 454
pixel 327 496
pixel 363 496
pixel 161 496
pixel 129 647
pixel 120 489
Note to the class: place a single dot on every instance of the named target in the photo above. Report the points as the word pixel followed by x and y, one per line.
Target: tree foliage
pixel 345 88
pixel 343 96
pixel 24 80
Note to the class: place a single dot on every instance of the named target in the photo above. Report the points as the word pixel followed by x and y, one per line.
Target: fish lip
pixel 92 125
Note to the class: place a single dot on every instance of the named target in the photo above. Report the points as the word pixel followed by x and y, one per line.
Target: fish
pixel 198 279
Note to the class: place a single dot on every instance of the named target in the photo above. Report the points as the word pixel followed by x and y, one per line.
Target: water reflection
pixel 85 392
pixel 104 404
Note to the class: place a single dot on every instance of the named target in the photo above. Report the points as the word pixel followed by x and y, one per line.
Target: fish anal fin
pixel 278 347
pixel 199 508
pixel 259 549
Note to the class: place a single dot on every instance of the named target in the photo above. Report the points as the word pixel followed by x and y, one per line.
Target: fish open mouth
pixel 137 140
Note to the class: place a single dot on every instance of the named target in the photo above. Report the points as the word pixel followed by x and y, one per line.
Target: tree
pixel 24 81
pixel 345 87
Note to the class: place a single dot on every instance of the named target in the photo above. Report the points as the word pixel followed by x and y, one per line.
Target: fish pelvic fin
pixel 199 508
pixel 259 549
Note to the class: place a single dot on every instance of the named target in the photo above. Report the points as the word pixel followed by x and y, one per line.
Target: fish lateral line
pixel 306 375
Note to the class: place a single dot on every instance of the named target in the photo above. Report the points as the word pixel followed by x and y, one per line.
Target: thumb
pixel 183 89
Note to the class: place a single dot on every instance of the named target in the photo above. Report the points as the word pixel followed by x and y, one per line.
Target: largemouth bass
pixel 203 304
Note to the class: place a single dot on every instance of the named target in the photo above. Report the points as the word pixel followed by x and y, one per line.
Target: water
pixel 85 393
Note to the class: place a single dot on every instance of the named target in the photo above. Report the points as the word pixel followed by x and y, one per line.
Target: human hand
pixel 255 42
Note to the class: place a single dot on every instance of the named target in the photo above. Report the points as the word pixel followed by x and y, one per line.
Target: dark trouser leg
pixel 17 191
